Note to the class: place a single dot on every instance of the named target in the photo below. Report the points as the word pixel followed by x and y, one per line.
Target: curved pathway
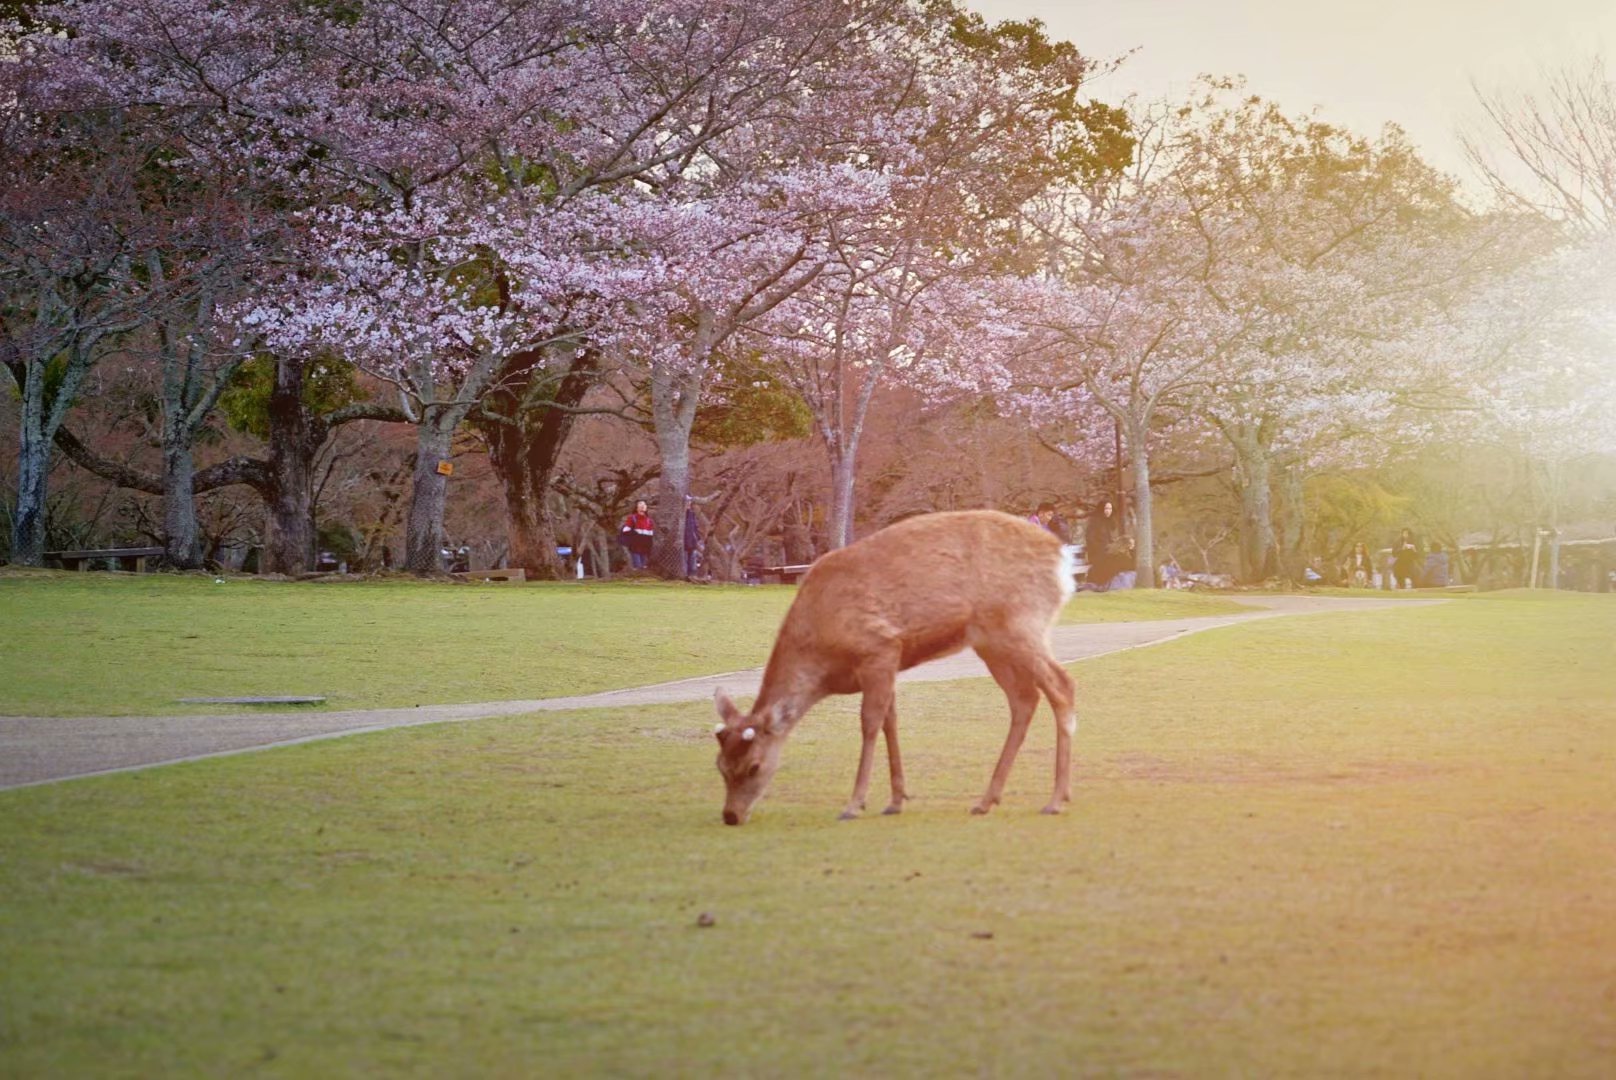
pixel 43 750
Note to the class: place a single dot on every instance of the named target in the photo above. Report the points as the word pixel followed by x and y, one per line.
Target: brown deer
pixel 922 588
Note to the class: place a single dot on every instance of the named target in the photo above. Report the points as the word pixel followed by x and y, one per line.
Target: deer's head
pixel 748 753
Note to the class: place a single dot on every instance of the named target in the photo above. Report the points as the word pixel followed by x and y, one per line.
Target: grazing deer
pixel 922 588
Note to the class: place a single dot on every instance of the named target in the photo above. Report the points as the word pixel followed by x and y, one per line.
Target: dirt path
pixel 43 750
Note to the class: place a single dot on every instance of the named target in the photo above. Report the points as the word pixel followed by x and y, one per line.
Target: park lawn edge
pixel 135 645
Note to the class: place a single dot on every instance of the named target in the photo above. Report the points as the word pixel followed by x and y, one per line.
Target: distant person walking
pixel 1405 560
pixel 692 540
pixel 638 534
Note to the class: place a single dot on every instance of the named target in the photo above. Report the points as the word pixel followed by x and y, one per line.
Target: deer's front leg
pixel 900 793
pixel 878 700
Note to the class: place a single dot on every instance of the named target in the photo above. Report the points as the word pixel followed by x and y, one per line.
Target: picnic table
pixel 130 559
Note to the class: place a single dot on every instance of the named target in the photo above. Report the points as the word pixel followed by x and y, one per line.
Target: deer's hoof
pixel 895 808
pixel 1052 808
pixel 978 810
pixel 848 815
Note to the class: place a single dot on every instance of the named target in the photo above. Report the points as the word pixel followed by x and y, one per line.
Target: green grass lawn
pixel 1370 843
pixel 117 645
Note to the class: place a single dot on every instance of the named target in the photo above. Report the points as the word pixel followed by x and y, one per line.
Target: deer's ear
pixel 726 708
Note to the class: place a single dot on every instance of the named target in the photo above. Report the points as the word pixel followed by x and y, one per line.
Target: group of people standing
pixel 1107 544
pixel 1404 566
pixel 637 534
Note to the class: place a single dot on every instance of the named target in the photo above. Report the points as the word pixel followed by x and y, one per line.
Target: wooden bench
pixel 515 573
pixel 784 575
pixel 132 560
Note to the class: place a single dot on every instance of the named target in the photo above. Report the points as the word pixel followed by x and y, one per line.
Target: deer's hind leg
pixel 1019 681
pixel 1058 687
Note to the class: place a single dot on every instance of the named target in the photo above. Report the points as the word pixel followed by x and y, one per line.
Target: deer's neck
pixel 792 684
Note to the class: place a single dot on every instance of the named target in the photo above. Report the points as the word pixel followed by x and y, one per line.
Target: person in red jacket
pixel 638 533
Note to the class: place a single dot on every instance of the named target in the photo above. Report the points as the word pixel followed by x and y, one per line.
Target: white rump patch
pixel 1066 572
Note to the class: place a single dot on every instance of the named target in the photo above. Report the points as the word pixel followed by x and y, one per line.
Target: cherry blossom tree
pixel 195 222
pixel 1354 246
pixel 75 244
pixel 645 120
pixel 1536 344
pixel 437 147
pixel 965 125
pixel 728 262
pixel 1128 327
pixel 1255 273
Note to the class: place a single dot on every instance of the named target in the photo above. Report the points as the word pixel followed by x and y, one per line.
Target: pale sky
pixel 1362 63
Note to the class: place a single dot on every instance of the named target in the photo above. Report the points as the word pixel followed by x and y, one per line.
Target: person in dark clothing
pixel 639 534
pixel 1106 544
pixel 692 541
pixel 1405 560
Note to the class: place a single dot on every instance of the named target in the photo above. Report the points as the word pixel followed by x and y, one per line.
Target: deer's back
pixel 935 583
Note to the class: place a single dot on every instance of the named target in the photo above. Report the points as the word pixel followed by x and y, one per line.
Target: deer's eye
pixel 753 771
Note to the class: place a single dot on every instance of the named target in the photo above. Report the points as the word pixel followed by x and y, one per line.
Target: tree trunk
pixel 38 421
pixel 668 554
pixel 600 557
pixel 444 405
pixel 841 500
pixel 28 523
pixel 526 434
pixel 674 395
pixel 33 467
pixel 841 427
pixel 529 531
pixel 289 496
pixel 189 392
pixel 1253 481
pixel 182 538
pixel 1145 541
pixel 1293 536
pixel 1257 561
pixel 429 492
